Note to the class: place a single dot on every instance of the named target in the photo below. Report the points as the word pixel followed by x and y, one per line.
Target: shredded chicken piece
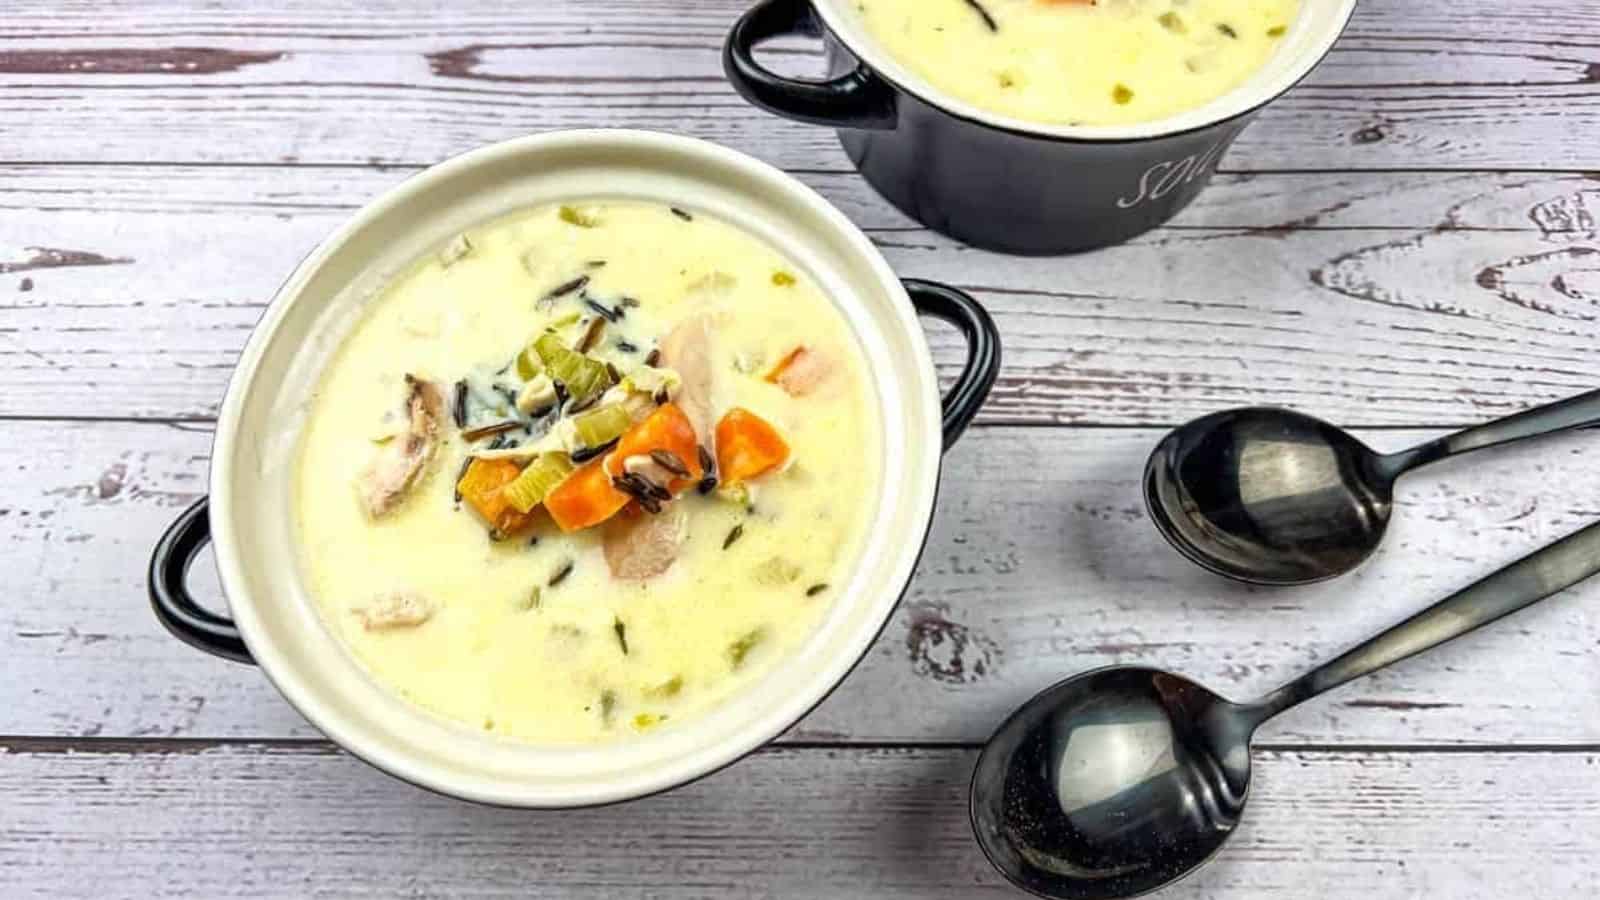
pixel 803 371
pixel 648 469
pixel 640 547
pixel 458 249
pixel 688 350
pixel 400 463
pixel 400 609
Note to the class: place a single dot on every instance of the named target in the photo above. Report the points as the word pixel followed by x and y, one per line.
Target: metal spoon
pixel 1271 496
pixel 1121 780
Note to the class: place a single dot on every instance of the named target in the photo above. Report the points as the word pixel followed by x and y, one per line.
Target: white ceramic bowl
pixel 276 624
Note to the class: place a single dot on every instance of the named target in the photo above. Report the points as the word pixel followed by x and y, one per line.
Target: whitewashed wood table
pixel 1408 242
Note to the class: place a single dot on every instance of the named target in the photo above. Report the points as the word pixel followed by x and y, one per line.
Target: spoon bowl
pixel 1112 784
pixel 1269 496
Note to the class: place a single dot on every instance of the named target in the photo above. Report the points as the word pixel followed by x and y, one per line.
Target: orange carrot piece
pixel 748 446
pixel 481 486
pixel 667 428
pixel 586 498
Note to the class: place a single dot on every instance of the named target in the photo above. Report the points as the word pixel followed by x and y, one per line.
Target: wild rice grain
pixel 733 536
pixel 600 309
pixel 988 19
pixel 576 284
pixel 591 334
pixel 460 408
pixel 498 428
pixel 561 574
pixel 588 453
pixel 465 465
pixel 670 461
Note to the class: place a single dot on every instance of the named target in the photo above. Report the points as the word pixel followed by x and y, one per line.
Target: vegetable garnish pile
pixel 561 430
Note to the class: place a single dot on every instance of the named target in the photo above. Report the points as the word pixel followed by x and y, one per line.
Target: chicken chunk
pixel 802 371
pixel 400 463
pixel 688 350
pixel 399 609
pixel 640 547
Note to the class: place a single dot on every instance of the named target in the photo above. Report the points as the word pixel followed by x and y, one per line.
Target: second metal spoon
pixel 1271 496
pixel 1121 780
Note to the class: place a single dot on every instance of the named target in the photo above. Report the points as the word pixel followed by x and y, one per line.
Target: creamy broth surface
pixel 1078 62
pixel 508 640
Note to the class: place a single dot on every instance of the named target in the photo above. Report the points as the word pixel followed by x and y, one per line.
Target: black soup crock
pixel 999 183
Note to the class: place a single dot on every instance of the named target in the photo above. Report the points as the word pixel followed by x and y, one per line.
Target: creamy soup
pixel 1082 62
pixel 586 471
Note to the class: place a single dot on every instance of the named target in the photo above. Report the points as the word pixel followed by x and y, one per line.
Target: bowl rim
pixel 918 497
pixel 1246 99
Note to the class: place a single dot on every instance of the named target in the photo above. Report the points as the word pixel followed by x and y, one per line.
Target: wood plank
pixel 248 822
pixel 1040 564
pixel 1372 299
pixel 1434 84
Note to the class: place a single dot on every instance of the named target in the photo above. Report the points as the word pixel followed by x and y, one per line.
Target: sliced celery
pixel 741 648
pixel 528 365
pixel 537 480
pixel 777 571
pixel 601 426
pixel 575 216
pixel 584 378
pixel 668 688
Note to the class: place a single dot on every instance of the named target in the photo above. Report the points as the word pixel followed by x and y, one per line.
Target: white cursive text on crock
pixel 1162 178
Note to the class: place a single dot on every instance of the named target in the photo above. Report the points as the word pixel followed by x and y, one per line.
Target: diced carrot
pixel 800 371
pixel 748 446
pixel 586 498
pixel 667 428
pixel 481 487
pixel 775 373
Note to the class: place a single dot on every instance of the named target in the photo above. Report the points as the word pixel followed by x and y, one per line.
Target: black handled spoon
pixel 1122 780
pixel 1270 496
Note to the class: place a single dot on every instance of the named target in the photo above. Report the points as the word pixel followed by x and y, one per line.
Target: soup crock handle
pixel 178 611
pixel 966 396
pixel 856 99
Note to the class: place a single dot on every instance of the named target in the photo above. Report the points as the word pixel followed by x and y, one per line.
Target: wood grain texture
pixel 1430 83
pixel 1368 298
pixel 1410 238
pixel 1040 564
pixel 836 824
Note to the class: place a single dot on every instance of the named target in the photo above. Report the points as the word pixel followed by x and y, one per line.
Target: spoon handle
pixel 1549 571
pixel 1574 412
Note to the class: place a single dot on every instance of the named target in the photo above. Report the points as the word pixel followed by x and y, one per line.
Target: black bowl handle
pixel 185 618
pixel 983 350
pixel 856 99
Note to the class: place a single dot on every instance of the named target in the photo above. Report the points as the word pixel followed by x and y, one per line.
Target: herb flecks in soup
pixel 1082 62
pixel 586 471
